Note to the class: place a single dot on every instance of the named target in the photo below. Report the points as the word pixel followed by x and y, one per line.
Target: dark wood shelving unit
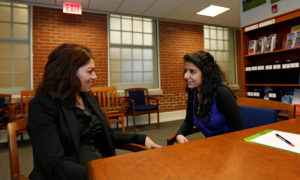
pixel 281 26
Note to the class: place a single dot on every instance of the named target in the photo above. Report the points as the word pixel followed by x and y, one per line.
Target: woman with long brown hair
pixel 66 125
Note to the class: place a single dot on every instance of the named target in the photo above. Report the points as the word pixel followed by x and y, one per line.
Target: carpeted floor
pixel 25 152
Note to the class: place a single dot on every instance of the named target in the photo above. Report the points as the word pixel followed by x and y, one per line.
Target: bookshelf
pixel 280 25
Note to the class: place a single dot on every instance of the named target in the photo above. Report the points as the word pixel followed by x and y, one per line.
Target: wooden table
pixel 225 157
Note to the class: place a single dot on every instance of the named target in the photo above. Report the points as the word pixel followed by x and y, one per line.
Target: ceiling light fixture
pixel 212 11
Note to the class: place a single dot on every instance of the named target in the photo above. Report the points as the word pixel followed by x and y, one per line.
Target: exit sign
pixel 72 8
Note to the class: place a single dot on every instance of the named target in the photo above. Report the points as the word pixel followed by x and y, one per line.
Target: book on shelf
pixel 274 41
pixel 290 40
pixel 295 28
pixel 260 47
pixel 268 44
pixel 297 39
pixel 252 47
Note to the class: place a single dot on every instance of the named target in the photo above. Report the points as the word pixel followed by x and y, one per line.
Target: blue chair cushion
pixel 138 97
pixel 146 107
pixel 253 117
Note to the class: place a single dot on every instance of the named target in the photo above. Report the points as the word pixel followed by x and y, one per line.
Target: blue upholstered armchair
pixel 139 102
pixel 257 112
pixel 253 117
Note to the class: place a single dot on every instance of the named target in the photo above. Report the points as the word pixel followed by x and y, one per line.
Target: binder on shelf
pixel 275 95
pixel 269 138
pixel 261 78
pixel 248 74
pixel 278 78
pixel 294 72
pixel 255 92
pixel 287 71
pixel 269 73
pixel 254 74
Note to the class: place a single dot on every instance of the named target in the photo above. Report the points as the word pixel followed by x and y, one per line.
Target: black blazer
pixel 54 134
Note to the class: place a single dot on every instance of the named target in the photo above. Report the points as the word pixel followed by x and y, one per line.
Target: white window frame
pixel 17 41
pixel 219 46
pixel 152 71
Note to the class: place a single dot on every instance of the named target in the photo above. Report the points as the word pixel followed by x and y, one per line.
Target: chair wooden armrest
pixel 133 147
pixel 122 101
pixel 13 111
pixel 172 139
pixel 153 98
pixel 128 101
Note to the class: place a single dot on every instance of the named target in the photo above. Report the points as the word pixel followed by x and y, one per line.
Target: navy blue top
pixel 213 124
pixel 224 115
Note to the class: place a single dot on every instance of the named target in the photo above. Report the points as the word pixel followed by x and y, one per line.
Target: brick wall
pixel 51 28
pixel 175 40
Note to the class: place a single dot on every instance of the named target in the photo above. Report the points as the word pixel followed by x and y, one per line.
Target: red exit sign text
pixel 72 8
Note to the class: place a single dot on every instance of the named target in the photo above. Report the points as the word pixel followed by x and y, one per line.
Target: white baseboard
pixel 163 117
pixel 3 136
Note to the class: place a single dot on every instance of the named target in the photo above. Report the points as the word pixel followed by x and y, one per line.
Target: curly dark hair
pixel 212 78
pixel 60 81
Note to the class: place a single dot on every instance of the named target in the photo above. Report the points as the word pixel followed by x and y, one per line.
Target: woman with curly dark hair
pixel 65 123
pixel 211 106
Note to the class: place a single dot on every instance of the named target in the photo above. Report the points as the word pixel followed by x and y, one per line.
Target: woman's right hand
pixel 181 139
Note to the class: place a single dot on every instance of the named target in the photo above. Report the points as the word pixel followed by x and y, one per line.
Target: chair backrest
pixel 26 96
pixel 13 128
pixel 253 117
pixel 139 95
pixel 107 96
pixel 268 104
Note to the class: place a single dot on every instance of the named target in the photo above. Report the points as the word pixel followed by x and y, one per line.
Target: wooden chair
pixel 13 128
pixel 112 106
pixel 5 102
pixel 20 111
pixel 138 102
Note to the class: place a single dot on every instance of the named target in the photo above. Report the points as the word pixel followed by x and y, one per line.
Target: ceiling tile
pixel 230 19
pixel 188 9
pixel 135 6
pixel 161 8
pixel 105 5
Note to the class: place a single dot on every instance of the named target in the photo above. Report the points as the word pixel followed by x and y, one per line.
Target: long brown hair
pixel 212 78
pixel 60 81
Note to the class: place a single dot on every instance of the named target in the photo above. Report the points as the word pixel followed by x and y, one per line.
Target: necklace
pixel 198 109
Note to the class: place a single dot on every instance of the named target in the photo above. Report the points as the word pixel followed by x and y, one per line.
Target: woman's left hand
pixel 149 143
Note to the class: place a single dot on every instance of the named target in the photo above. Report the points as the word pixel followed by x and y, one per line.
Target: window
pixel 14 47
pixel 219 41
pixel 132 52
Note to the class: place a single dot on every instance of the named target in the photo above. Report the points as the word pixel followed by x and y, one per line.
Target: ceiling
pixel 178 10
